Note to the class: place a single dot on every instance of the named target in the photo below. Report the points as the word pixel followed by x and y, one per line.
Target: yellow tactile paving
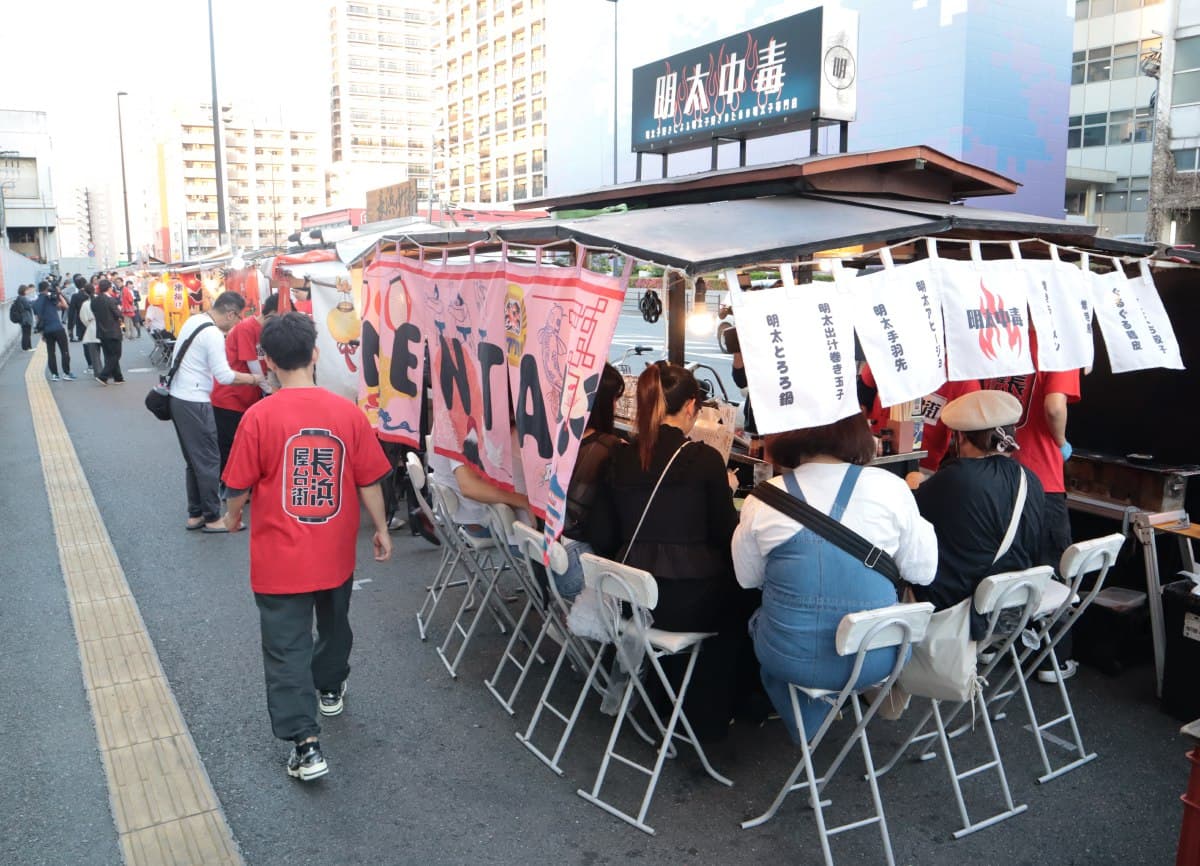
pixel 162 802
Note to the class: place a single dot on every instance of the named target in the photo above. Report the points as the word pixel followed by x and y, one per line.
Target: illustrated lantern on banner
pixel 313 461
pixel 345 325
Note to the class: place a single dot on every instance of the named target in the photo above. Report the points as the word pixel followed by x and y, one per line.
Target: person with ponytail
pixel 670 509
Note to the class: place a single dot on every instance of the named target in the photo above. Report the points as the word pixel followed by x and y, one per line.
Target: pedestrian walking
pixel 88 336
pixel 129 310
pixel 304 453
pixel 48 308
pixel 244 354
pixel 78 299
pixel 202 361
pixel 107 312
pixel 21 314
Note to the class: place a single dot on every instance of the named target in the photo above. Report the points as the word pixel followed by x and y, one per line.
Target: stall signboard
pixel 1137 332
pixel 496 333
pixel 762 81
pixel 798 346
pixel 898 320
pixel 392 202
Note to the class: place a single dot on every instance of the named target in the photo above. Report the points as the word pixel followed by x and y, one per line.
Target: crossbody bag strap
pixel 1018 509
pixel 831 530
pixel 187 344
pixel 646 510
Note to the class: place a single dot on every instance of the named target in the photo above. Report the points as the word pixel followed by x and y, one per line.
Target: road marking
pixel 358 582
pixel 141 370
pixel 162 801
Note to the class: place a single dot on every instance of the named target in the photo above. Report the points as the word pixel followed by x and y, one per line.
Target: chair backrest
pixel 882 627
pixel 416 472
pixel 1084 557
pixel 532 544
pixel 1013 589
pixel 623 582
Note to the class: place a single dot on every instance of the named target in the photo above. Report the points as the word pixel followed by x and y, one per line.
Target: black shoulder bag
pixel 158 401
pixel 831 530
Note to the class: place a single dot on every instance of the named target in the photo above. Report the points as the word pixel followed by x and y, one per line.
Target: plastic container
pixel 1119 600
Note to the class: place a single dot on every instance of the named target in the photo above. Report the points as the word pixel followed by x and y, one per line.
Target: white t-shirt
pixel 204 361
pixel 881 509
pixel 469 511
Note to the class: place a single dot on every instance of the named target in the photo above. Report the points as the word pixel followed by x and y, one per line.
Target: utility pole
pixel 124 186
pixel 222 232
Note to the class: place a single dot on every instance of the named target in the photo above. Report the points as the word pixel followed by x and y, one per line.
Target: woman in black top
pixel 684 540
pixel 591 468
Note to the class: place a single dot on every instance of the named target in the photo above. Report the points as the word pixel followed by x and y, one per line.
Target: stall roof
pixel 699 238
pixel 916 171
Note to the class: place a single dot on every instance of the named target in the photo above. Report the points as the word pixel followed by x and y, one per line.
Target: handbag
pixel 943 664
pixel 158 400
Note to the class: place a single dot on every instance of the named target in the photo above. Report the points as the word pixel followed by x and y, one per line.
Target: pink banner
pixel 494 330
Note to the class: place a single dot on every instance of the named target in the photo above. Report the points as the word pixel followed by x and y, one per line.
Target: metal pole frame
pixel 222 231
pixel 124 185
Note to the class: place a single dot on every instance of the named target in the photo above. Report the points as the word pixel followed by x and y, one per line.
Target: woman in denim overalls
pixel 808 583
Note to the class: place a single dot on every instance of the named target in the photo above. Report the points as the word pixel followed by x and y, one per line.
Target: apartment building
pixel 1110 128
pixel 490 144
pixel 28 217
pixel 273 175
pixel 381 96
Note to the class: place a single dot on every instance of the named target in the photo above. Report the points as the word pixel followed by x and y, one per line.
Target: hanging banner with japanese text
pixel 373 282
pixel 336 313
pixel 1137 332
pixel 1060 308
pixel 798 346
pixel 494 332
pixel 898 320
pixel 985 314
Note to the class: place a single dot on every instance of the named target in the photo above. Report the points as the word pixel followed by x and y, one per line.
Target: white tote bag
pixel 943 665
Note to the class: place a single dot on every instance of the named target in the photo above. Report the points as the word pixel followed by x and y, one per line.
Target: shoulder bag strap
pixel 646 510
pixel 1018 509
pixel 187 344
pixel 831 530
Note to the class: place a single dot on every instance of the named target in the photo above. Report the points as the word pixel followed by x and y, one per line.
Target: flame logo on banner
pixel 995 317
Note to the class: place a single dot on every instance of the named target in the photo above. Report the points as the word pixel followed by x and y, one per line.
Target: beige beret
pixel 981 410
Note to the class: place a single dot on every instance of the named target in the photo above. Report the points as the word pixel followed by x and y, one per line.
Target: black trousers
pixel 294 667
pixel 27 336
pixel 57 340
pixel 112 359
pixel 227 424
pixel 1056 537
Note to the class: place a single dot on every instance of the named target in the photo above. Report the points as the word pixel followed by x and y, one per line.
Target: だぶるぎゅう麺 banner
pixel 490 332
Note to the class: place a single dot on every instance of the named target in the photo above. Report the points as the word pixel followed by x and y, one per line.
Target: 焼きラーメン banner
pixel 495 333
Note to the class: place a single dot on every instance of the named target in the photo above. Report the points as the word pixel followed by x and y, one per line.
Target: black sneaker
pixel 306 762
pixel 331 703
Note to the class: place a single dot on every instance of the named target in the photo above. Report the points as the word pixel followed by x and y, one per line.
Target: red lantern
pixel 313 460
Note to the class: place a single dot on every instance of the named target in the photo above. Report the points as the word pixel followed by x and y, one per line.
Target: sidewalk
pixel 425 769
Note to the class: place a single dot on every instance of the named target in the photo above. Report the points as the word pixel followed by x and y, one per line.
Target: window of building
pixel 1186 84
pixel 1185 159
pixel 1097 8
pixel 520 190
pixel 1128 126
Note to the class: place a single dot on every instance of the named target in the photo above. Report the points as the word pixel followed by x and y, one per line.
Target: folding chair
pixel 1061 606
pixel 443 578
pixel 635 640
pixel 476 556
pixel 899 625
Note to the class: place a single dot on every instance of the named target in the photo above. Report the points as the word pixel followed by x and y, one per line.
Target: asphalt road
pixel 425 769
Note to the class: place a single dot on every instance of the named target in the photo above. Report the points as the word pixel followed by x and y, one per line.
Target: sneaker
pixel 89 371
pixel 331 703
pixel 101 381
pixel 1066 671
pixel 397 522
pixel 53 377
pixel 70 377
pixel 306 762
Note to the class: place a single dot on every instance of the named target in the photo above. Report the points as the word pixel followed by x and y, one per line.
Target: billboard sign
pixel 762 81
pixel 392 202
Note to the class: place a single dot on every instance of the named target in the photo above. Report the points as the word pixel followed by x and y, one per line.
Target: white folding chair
pixel 443 578
pixel 1022 590
pixel 476 556
pixel 1061 607
pixel 900 626
pixel 634 640
pixel 539 603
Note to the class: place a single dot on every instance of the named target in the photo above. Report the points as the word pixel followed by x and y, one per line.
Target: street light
pixel 614 3
pixel 216 125
pixel 124 186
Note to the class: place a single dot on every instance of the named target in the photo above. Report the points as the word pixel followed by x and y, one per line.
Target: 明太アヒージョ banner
pixel 496 333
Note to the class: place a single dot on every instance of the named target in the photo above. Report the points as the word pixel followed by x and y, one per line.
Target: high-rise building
pixel 273 176
pixel 27 213
pixel 1110 128
pixel 491 73
pixel 381 98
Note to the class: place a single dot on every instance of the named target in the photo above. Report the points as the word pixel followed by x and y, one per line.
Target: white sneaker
pixel 1068 669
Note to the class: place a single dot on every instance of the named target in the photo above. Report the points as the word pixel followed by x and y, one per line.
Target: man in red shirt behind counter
pixel 244 354
pixel 308 455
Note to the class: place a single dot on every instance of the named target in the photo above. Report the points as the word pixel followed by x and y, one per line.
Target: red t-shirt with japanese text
pixel 1038 451
pixel 304 452
pixel 935 438
pixel 241 348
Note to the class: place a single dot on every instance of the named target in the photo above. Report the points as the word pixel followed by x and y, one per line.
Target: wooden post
pixel 676 316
